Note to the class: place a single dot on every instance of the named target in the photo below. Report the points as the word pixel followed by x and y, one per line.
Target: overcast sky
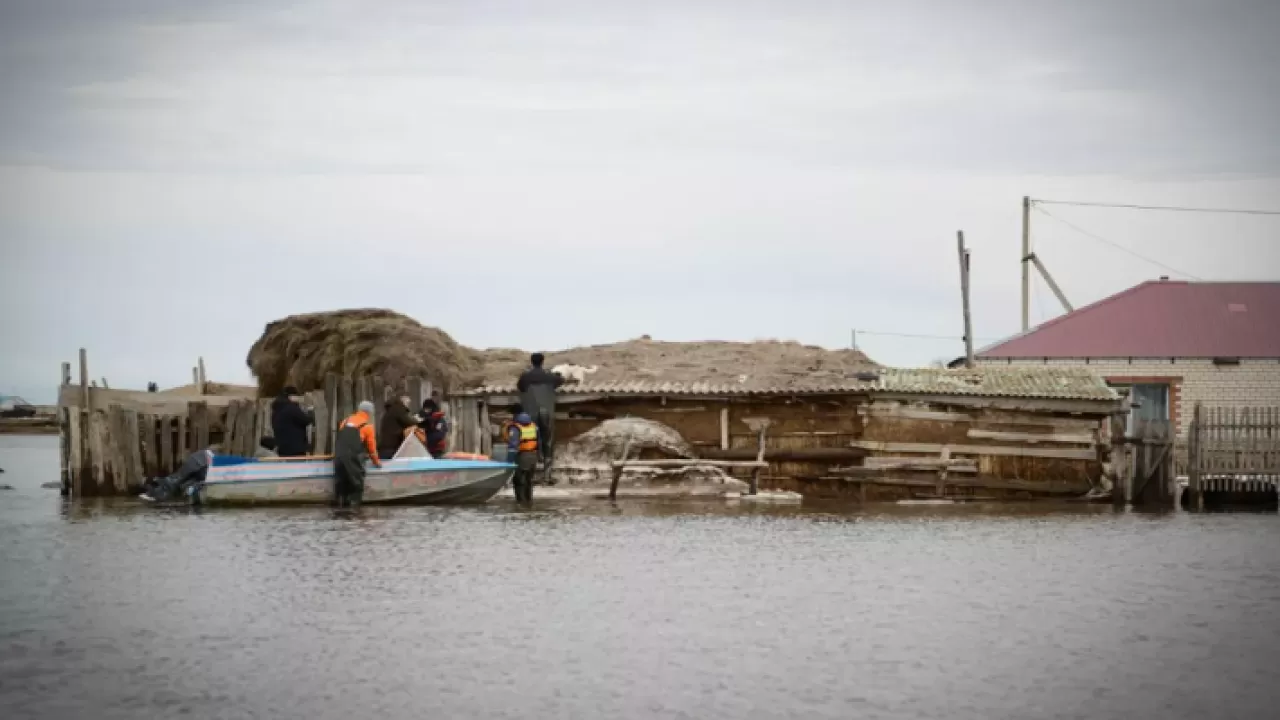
pixel 173 175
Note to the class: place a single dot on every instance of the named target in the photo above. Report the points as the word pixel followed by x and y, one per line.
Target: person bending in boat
pixel 395 426
pixel 354 443
pixel 522 445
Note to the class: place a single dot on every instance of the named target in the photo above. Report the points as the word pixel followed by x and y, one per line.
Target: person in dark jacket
pixel 537 389
pixel 435 428
pixel 396 424
pixel 289 424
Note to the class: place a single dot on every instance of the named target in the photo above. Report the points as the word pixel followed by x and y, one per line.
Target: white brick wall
pixel 1252 383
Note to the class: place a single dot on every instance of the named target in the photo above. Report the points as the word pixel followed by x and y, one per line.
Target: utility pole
pixel 964 295
pixel 854 339
pixel 1026 269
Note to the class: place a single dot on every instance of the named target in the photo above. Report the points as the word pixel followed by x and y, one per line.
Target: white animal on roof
pixel 573 373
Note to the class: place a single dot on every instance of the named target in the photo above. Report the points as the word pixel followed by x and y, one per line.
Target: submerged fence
pixel 1233 450
pixel 112 440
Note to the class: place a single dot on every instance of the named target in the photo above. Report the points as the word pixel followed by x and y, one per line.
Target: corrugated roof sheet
pixel 1161 319
pixel 1013 382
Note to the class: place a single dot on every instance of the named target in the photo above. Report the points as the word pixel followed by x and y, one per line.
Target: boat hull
pixel 404 482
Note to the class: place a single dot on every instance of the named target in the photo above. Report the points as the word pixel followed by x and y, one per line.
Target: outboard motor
pixel 183 484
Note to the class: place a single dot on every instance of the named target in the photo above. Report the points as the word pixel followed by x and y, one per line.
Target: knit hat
pixel 366 407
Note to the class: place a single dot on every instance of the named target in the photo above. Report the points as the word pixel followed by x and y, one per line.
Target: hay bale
pixel 301 349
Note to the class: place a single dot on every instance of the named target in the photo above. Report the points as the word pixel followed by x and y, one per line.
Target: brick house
pixel 1172 343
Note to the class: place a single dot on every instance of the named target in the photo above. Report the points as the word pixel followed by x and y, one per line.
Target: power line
pixel 920 336
pixel 1116 245
pixel 1167 208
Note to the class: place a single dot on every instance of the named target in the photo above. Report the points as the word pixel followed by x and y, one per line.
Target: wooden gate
pixel 1234 454
pixel 1150 480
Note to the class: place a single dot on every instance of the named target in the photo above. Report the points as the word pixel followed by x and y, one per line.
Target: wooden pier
pixel 113 440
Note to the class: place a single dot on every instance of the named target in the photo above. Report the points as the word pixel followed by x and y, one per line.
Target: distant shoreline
pixel 29 426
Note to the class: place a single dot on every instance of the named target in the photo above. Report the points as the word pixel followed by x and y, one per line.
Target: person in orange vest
pixel 355 442
pixel 522 447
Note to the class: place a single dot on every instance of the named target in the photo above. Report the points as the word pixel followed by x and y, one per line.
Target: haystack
pixel 301 349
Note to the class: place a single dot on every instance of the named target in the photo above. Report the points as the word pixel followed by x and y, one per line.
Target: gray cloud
pixel 184 172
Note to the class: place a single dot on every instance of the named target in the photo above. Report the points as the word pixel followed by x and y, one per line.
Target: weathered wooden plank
pixel 324 423
pixel 150 437
pixel 890 470
pixel 415 392
pixel 198 417
pixel 724 428
pixel 829 454
pixel 167 464
pixel 935 448
pixel 906 412
pixel 890 462
pixel 78 461
pixel 134 474
pixel 182 438
pixel 690 462
pixel 981 484
pixel 97 452
pixel 1075 438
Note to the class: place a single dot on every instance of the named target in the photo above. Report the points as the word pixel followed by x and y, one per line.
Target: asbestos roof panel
pixel 1012 382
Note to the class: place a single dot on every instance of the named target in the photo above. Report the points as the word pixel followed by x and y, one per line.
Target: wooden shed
pixel 881 435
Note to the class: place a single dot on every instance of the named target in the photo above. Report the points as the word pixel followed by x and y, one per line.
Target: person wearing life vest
pixel 434 428
pixel 522 446
pixel 355 443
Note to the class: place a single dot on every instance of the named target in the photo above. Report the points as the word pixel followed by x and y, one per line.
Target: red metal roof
pixel 1161 319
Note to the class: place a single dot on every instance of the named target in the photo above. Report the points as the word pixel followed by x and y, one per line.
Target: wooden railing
pixel 1233 449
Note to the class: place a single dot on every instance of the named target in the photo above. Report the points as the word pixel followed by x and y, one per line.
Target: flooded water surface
pixel 646 609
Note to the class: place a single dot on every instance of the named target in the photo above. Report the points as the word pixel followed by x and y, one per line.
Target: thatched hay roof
pixel 764 363
pixel 301 349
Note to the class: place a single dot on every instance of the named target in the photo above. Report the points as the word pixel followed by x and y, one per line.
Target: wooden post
pixel 324 423
pixel 203 381
pixel 85 412
pixel 98 451
pixel 1026 267
pixel 198 414
pixel 415 393
pixel 64 430
pixel 150 445
pixel 78 461
pixel 1195 456
pixel 618 470
pixel 724 428
pixel 964 296
pixel 486 430
pixel 166 446
pixel 133 473
pixel 755 472
pixel 332 411
pixel 945 457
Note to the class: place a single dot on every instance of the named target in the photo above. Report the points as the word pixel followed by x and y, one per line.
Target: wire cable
pixel 920 336
pixel 1166 208
pixel 1116 245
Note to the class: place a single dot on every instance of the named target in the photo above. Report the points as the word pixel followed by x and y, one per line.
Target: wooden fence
pixel 112 441
pixel 1233 450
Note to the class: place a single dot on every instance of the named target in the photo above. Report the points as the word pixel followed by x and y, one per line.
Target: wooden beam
pixel 878 410
pixel 1079 439
pixel 690 462
pixel 979 483
pixel 618 469
pixel 885 462
pixel 821 454
pixel 1000 450
pixel 724 428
